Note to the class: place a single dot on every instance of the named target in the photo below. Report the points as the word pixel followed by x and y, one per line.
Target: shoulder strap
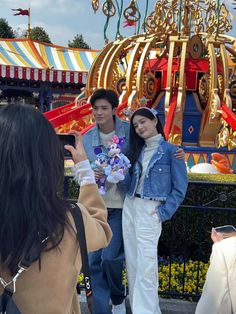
pixel 6 301
pixel 78 219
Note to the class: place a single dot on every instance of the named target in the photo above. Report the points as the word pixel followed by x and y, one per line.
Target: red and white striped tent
pixel 32 60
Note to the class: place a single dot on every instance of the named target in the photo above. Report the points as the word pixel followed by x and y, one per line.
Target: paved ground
pixel 168 306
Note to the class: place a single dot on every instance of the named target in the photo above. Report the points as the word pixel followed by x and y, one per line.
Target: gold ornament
pixel 95 5
pixel 131 13
pixel 232 140
pixel 204 88
pixel 223 137
pixel 220 85
pixel 195 46
pixel 175 139
pixel 163 20
pixel 149 86
pixel 108 8
pixel 197 17
pixel 215 105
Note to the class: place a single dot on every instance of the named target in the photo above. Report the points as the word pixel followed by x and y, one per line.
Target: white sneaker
pixel 119 309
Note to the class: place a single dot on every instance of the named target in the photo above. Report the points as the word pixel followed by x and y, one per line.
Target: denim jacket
pixel 91 140
pixel 165 180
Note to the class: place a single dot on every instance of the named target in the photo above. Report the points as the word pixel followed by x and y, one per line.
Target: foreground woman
pixel 34 220
pixel 156 188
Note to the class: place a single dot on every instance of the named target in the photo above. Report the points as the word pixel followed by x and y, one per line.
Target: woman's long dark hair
pixel 32 165
pixel 136 142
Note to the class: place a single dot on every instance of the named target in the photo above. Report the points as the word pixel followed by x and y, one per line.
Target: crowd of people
pixel 122 227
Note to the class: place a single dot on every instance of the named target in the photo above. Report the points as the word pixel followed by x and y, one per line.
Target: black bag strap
pixel 7 304
pixel 78 219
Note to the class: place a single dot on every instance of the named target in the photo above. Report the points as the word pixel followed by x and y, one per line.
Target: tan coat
pixel 219 291
pixel 53 289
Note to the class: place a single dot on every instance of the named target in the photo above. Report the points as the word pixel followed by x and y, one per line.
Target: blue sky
pixel 63 19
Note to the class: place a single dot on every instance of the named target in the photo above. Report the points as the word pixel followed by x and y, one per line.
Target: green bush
pixel 207 177
pixel 193 177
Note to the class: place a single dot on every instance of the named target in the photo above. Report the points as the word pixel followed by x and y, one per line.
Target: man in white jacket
pixel 219 291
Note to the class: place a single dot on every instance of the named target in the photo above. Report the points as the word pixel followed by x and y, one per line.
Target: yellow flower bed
pixel 176 281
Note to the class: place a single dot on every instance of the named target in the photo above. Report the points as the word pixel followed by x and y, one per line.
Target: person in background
pixel 219 291
pixel 106 265
pixel 35 220
pixel 156 186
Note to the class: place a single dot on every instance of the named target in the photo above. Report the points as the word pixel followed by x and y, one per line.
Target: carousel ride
pixel 183 65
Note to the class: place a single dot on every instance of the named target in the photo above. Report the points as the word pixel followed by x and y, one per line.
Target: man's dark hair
pixel 107 94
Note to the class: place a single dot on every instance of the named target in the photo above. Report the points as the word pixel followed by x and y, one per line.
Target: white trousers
pixel 141 232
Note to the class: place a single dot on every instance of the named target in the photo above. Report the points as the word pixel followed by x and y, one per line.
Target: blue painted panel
pixel 191 120
pixel 161 110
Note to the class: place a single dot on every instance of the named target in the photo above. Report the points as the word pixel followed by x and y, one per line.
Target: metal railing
pixel 185 244
pixel 186 241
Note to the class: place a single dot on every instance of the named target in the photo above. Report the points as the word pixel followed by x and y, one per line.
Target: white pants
pixel 141 232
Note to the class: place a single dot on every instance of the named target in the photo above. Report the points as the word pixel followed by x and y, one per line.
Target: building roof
pixel 32 60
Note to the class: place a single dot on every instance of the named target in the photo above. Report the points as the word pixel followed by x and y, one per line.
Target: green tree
pixel 6 31
pixel 78 42
pixel 39 34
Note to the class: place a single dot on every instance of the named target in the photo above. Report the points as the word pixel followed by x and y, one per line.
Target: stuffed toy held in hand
pixel 101 164
pixel 119 162
pixel 113 164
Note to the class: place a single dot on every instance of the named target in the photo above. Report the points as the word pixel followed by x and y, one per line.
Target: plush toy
pixel 113 164
pixel 119 162
pixel 101 164
pixel 219 164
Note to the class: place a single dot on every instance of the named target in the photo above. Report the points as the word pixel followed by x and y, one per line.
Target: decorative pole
pixel 24 12
pixel 180 17
pixel 29 29
pixel 218 17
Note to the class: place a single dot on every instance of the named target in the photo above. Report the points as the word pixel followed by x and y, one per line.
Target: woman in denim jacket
pixel 156 187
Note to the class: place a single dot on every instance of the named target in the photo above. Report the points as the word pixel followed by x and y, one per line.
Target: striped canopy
pixel 31 60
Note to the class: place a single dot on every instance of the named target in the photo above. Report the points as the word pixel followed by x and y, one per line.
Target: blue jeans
pixel 106 267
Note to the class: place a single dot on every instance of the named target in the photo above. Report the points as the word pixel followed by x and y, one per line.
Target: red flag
pixel 129 23
pixel 21 12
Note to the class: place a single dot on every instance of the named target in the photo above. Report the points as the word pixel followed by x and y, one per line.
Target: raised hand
pixel 180 154
pixel 77 152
